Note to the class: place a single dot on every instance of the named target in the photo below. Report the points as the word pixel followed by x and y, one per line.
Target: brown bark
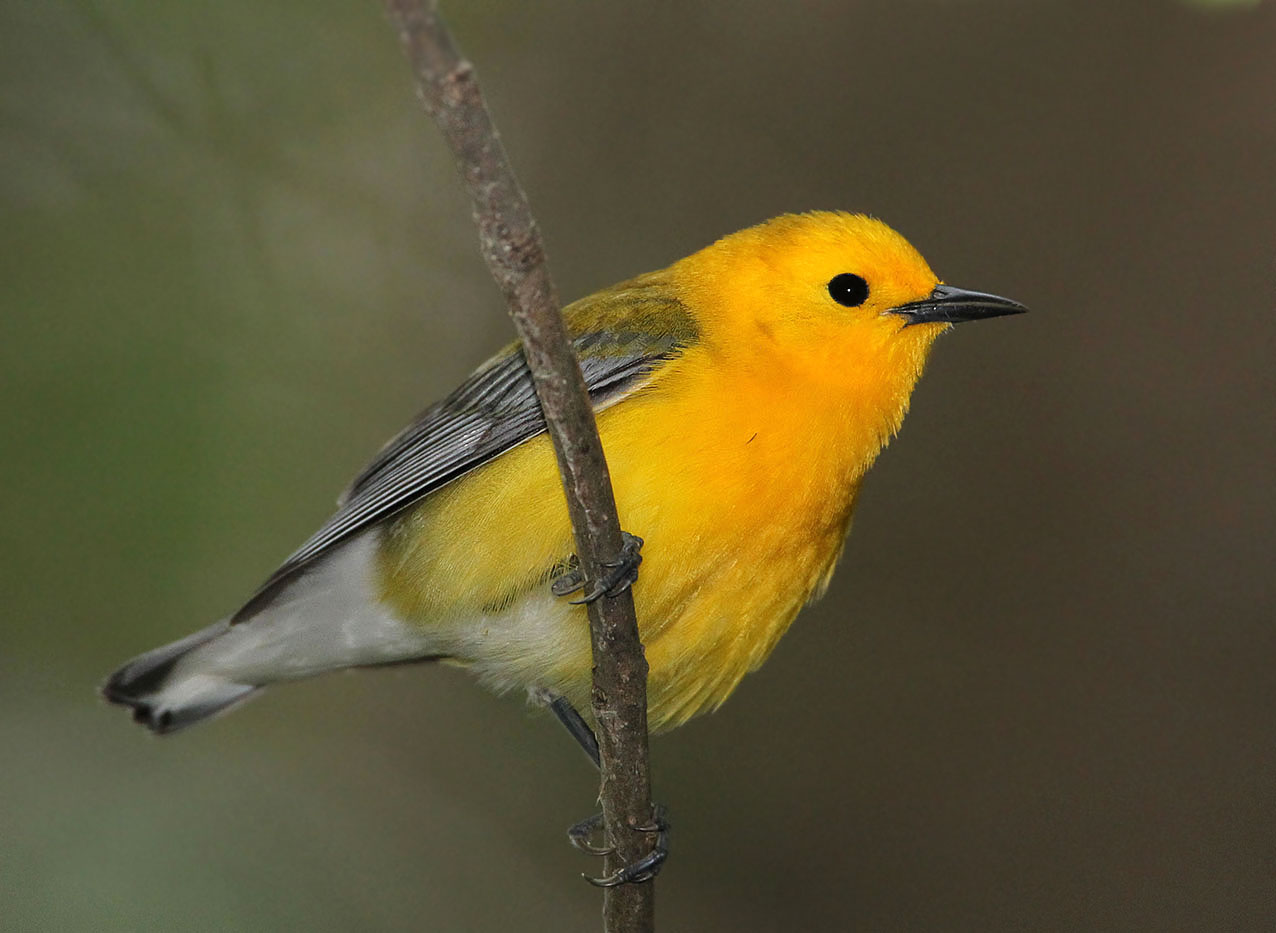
pixel 511 244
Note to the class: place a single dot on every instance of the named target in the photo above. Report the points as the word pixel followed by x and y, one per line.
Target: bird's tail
pixel 330 617
pixel 165 694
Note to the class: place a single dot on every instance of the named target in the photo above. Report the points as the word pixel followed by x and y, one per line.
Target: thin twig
pixel 511 244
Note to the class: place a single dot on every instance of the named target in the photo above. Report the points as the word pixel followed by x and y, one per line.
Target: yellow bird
pixel 741 394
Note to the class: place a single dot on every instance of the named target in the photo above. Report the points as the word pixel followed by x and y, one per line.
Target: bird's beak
pixel 949 305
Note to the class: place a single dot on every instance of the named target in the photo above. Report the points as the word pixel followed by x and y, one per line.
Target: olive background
pixel 235 258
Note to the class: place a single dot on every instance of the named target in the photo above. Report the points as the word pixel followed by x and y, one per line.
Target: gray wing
pixel 494 410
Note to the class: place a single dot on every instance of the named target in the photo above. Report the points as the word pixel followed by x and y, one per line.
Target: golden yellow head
pixel 829 288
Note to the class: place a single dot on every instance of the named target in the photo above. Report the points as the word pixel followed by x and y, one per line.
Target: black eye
pixel 848 289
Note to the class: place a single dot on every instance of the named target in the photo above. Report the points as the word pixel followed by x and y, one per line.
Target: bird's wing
pixel 622 336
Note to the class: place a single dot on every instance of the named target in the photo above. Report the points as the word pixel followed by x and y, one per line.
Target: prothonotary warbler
pixel 741 394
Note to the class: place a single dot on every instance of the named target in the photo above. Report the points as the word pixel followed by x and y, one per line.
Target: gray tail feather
pixel 147 685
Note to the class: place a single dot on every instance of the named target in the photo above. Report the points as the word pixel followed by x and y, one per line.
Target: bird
pixel 741 395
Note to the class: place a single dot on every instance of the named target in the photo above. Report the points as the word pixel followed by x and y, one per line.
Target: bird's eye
pixel 848 289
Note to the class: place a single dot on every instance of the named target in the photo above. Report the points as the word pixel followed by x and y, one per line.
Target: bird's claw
pixel 643 870
pixel 580 834
pixel 621 574
pixel 568 582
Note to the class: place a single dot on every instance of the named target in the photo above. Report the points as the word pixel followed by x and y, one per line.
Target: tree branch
pixel 511 244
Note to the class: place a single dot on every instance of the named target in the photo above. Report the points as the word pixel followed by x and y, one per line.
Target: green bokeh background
pixel 234 258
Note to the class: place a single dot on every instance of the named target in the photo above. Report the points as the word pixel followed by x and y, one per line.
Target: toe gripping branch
pixel 645 869
pixel 621 574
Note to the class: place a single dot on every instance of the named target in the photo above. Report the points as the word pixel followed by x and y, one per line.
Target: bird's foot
pixel 621 574
pixel 644 869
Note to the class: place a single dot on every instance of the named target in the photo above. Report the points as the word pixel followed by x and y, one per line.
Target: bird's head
pixel 826 289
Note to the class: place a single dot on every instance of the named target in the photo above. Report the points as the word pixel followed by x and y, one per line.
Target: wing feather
pixel 622 336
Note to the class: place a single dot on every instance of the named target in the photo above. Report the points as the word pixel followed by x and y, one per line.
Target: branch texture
pixel 511 244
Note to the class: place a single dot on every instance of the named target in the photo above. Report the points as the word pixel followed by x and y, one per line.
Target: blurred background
pixel 1039 695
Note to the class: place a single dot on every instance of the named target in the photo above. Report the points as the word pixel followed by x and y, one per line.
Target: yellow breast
pixel 743 490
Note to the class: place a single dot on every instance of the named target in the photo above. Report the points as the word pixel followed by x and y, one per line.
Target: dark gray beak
pixel 949 305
